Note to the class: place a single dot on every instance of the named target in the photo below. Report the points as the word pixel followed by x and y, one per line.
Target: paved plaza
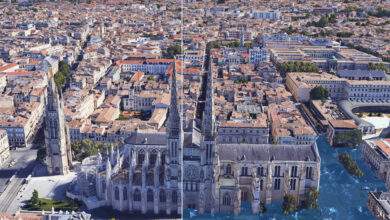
pixel 53 187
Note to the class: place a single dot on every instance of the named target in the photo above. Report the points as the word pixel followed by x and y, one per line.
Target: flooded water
pixel 342 196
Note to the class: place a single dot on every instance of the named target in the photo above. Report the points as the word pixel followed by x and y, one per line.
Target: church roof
pixel 138 138
pixel 256 152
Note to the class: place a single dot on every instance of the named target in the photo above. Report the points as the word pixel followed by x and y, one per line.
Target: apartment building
pixel 300 85
pixel 148 66
pixel 251 132
pixel 258 55
pixel 379 205
pixel 267 15
pixel 377 153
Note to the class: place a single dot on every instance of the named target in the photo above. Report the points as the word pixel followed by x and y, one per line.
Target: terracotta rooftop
pixel 384 145
pixel 346 124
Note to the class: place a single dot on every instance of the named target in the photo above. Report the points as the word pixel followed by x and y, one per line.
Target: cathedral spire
pixel 208 114
pixel 174 122
pixel 111 153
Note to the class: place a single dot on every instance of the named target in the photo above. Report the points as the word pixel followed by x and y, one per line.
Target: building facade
pixel 4 147
pixel 300 85
pixel 377 154
pixel 378 204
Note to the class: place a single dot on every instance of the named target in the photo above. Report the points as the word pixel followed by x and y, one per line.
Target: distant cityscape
pixel 168 109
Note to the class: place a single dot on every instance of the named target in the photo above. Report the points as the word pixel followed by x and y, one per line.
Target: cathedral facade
pixel 166 172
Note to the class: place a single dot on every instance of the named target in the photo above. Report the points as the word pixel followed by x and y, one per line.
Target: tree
pixel 248 44
pixel 34 200
pixel 378 66
pixel 324 21
pixel 63 74
pixel 350 165
pixel 213 45
pixel 234 44
pixel 332 18
pixel 312 198
pixel 319 93
pixel 348 138
pixel 85 148
pixel 290 30
pixel 289 204
pixel 41 154
pixel 297 66
pixel 344 34
pixel 253 115
pixel 172 51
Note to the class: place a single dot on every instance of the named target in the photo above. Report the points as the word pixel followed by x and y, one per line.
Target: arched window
pixel 161 176
pixel 116 193
pixel 162 158
pixel 137 195
pixel 141 157
pixel 152 159
pixel 124 193
pixel 277 171
pixel 150 179
pixel 162 196
pixel 228 169
pixel 244 171
pixel 104 187
pixel 174 196
pixel 260 171
pixel 137 179
pixel 149 195
pixel 226 199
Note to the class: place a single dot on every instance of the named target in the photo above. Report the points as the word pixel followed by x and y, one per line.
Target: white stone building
pixel 4 147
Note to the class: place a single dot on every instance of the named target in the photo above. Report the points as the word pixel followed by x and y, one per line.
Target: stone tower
pixel 175 141
pixel 57 142
pixel 208 147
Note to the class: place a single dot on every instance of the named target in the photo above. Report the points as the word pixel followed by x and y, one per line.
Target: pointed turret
pixel 111 154
pixel 117 156
pixel 99 157
pixel 108 168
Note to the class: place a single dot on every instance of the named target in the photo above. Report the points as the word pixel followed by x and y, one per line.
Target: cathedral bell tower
pixel 208 147
pixel 175 141
pixel 57 142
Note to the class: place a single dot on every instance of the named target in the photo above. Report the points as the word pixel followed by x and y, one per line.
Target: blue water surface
pixel 342 196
